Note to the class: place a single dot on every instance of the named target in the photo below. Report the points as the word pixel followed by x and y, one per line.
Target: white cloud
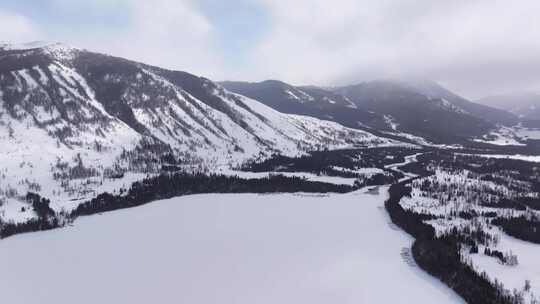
pixel 15 28
pixel 474 46
pixel 170 33
pixel 167 33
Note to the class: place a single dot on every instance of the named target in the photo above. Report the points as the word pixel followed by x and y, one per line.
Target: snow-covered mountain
pixel 308 100
pixel 74 123
pixel 279 94
pixel 426 109
pixel 435 91
pixel 400 108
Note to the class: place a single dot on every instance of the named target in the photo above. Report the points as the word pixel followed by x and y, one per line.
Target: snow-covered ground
pixel 527 133
pixel 516 136
pixel 504 136
pixel 513 277
pixel 215 248
pixel 529 158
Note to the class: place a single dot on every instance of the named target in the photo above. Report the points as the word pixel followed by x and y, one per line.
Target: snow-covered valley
pixel 226 198
pixel 219 248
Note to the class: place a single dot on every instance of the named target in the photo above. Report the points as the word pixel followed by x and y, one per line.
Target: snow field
pixel 214 248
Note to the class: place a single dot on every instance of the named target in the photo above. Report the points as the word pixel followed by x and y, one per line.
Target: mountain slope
pixel 426 110
pixel 435 91
pixel 77 123
pixel 410 109
pixel 308 100
pixel 277 93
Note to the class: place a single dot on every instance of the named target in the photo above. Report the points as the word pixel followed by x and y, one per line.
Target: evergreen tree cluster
pixel 40 205
pixel 46 218
pixel 522 227
pixel 324 161
pixel 441 257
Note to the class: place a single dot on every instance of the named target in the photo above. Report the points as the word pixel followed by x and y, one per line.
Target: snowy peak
pixel 28 45
pixel 54 49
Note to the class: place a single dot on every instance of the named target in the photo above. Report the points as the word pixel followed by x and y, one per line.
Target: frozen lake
pixel 222 248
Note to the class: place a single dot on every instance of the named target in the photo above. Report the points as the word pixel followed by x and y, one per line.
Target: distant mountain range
pixel 421 108
pixel 311 101
pixel 524 105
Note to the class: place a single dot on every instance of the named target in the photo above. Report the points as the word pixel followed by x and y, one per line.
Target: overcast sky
pixel 474 47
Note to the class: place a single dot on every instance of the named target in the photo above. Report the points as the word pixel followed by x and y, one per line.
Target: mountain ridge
pixel 386 105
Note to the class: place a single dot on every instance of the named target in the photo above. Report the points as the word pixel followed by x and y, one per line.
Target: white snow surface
pixel 527 133
pixel 529 158
pixel 513 277
pixel 283 248
pixel 505 136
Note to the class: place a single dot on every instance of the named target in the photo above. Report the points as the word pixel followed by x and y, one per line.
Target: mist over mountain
pixel 526 105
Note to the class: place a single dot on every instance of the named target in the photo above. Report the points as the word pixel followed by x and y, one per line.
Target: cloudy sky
pixel 475 47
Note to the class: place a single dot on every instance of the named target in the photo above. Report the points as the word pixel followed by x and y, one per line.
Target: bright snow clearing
pixel 283 248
